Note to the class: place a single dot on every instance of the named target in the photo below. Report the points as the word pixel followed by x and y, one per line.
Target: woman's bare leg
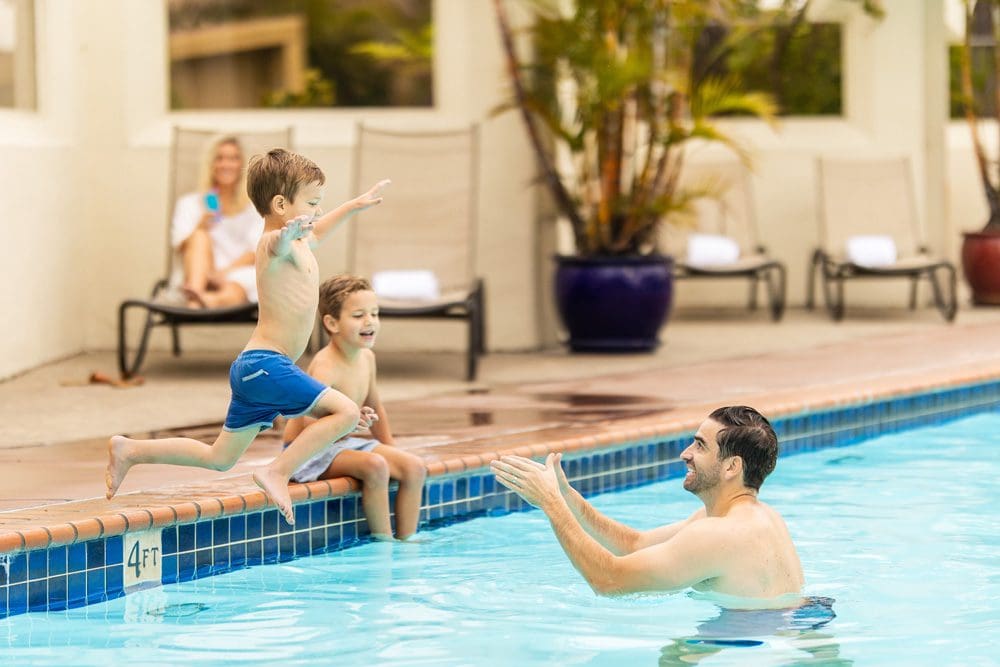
pixel 411 471
pixel 123 453
pixel 373 472
pixel 336 416
pixel 230 294
pixel 199 263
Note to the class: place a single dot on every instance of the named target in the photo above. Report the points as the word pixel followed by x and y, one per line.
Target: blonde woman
pixel 215 231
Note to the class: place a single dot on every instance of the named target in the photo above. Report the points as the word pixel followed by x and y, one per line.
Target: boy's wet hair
pixel 334 292
pixel 279 172
pixel 747 433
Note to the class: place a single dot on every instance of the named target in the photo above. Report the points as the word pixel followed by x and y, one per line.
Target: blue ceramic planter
pixel 614 304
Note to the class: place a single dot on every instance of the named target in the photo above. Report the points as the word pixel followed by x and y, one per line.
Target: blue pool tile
pixel 113 550
pixel 17 598
pixel 462 488
pixel 169 569
pixel 270 523
pixel 476 486
pixel 58 591
pixel 447 491
pixel 302 513
pixel 76 557
pixel 317 514
pixel 113 581
pixel 3 601
pixel 286 546
pixel 187 566
pixel 220 558
pixel 254 525
pixel 317 537
pixel 237 554
pixel 348 532
pixel 270 549
pixel 254 552
pixel 18 570
pixel 220 531
pixel 96 585
pixel 38 564
pixel 237 528
pixel 76 595
pixel 38 595
pixel 185 537
pixel 57 560
pixel 333 510
pixel 168 538
pixel 203 562
pixel 349 508
pixel 203 535
pixel 489 484
pixel 333 535
pixel 303 543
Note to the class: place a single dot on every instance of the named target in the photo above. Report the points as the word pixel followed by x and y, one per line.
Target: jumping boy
pixel 286 189
pixel 349 311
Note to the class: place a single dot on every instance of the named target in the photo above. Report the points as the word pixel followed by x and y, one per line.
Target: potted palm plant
pixel 609 105
pixel 981 249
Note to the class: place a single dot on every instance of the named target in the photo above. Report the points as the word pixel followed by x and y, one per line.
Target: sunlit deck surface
pixel 54 440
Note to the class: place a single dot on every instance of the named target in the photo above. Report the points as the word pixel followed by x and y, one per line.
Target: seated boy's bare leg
pixel 336 416
pixel 410 471
pixel 123 453
pixel 373 472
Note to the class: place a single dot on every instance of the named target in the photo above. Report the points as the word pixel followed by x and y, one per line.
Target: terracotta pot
pixel 981 265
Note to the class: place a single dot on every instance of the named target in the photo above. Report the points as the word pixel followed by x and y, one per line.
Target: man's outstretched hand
pixel 536 483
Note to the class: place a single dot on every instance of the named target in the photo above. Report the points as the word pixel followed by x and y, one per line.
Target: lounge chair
pixel 871 201
pixel 138 317
pixel 723 241
pixel 420 247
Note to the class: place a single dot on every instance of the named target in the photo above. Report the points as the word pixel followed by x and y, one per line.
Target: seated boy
pixel 286 189
pixel 349 311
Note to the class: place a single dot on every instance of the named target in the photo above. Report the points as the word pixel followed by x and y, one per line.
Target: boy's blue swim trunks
pixel 266 384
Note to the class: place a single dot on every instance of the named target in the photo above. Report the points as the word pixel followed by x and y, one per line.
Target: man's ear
pixel 734 466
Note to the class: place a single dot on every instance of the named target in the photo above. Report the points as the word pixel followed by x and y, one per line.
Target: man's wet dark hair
pixel 747 433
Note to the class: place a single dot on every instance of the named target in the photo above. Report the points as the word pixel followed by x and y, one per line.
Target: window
pixel 17 54
pixel 245 54
pixel 780 53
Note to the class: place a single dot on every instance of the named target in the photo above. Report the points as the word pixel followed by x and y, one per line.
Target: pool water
pixel 900 532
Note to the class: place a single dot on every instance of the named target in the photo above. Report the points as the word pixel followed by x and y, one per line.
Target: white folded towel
pixel 711 250
pixel 416 285
pixel 871 250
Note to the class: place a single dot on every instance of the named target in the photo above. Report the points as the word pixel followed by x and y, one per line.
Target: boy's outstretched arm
pixel 329 221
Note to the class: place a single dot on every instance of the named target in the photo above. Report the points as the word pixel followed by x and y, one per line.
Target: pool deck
pixel 529 404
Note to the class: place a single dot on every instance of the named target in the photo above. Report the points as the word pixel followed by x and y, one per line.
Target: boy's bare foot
pixel 118 466
pixel 275 487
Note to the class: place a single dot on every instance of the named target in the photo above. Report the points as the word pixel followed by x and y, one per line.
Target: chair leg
pixel 914 280
pixel 175 339
pixel 811 280
pixel 752 300
pixel 125 366
pixel 948 306
pixel 776 288
pixel 472 350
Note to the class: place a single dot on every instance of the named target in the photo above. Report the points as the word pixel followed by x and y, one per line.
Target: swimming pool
pixel 899 530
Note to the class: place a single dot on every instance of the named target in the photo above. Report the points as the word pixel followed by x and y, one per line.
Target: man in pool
pixel 735 546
